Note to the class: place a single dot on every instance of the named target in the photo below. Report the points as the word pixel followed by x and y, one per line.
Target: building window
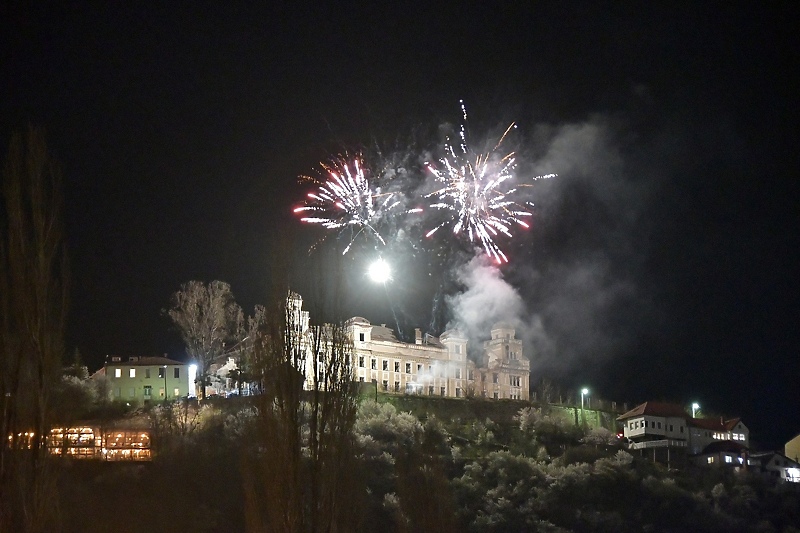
pixel 385 384
pixel 131 392
pixel 515 381
pixel 659 425
pixel 728 459
pixel 177 373
pixel 397 386
pixel 118 392
pixel 361 379
pixel 670 427
pixel 361 361
pixel 148 390
pixel 458 373
pixel 161 391
pixel 385 365
pixel 645 423
pixel 471 375
pixel 495 396
pixel 710 460
pixel 131 372
pixel 176 392
pixel 147 373
pixel 681 428
pixel 419 368
pixel 374 364
pixel 430 390
pixel 397 366
pixel 408 368
pixel 162 372
pixel 441 391
pixel 117 372
pixel 361 337
pixel 495 378
pixel 458 392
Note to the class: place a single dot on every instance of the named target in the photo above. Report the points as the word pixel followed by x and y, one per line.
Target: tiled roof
pixel 714 424
pixel 142 361
pixel 656 409
pixel 724 446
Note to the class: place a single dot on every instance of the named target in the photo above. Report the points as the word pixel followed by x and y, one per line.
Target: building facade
pixel 143 380
pixel 653 425
pixel 439 366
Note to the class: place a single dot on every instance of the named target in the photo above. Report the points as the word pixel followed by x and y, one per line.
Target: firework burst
pixel 474 191
pixel 347 199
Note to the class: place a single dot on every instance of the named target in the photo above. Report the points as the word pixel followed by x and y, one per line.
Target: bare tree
pixel 207 317
pixel 304 438
pixel 33 308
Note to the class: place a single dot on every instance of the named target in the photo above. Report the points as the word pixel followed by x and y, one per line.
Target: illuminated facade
pixel 142 380
pixel 438 366
pixel 87 442
pixel 664 425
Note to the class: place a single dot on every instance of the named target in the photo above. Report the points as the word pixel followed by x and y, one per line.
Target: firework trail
pixel 472 190
pixel 347 198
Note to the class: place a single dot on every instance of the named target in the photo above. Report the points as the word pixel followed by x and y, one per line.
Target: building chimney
pixel 417 336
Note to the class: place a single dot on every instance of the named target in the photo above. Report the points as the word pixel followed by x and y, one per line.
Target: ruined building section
pixel 503 371
pixel 439 366
pixel 430 366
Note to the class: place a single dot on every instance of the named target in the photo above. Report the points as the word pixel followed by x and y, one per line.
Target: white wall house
pixel 658 424
pixel 142 380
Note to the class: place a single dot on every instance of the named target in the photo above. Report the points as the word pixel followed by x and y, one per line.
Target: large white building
pixel 431 366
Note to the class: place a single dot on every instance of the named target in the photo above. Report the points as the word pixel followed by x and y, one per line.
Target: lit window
pixel 131 372
pixel 728 459
pixel 735 436
pixel 176 392
pixel 710 460
pixel 161 391
pixel 117 372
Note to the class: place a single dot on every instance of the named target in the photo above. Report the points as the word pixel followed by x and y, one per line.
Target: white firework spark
pixel 347 199
pixel 473 190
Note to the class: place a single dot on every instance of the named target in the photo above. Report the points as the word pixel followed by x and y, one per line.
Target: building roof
pixel 656 409
pixel 382 333
pixel 714 424
pixel 724 446
pixel 141 361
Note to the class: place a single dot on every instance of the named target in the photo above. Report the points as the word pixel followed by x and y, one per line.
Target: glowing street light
pixel 584 392
pixel 165 382
pixel 695 408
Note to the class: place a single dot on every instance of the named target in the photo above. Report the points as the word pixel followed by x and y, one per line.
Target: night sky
pixel 662 261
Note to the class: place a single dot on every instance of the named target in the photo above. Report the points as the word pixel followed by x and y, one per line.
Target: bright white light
pixel 379 271
pixel 695 408
pixel 192 376
pixel 585 391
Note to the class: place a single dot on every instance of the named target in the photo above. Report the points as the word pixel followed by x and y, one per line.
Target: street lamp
pixel 695 408
pixel 584 392
pixel 165 383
